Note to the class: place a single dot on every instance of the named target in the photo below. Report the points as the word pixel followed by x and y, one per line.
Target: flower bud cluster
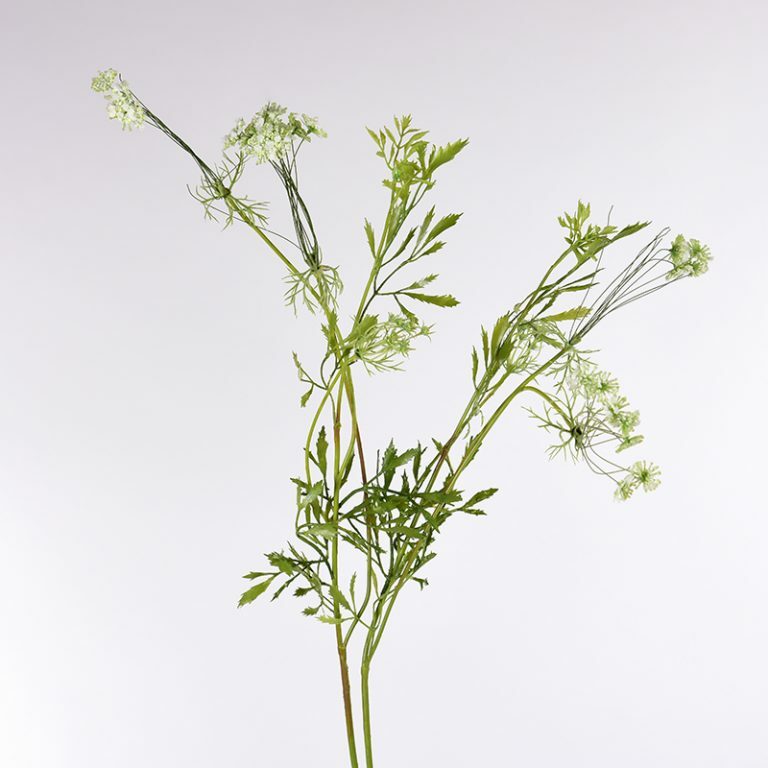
pixel 122 105
pixel 271 132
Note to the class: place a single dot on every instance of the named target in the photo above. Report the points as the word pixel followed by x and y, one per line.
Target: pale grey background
pixel 148 405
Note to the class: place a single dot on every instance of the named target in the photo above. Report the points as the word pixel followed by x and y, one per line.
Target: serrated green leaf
pixel 420 283
pixel 442 155
pixel 255 591
pixel 374 136
pixel 417 460
pixel 279 591
pixel 442 225
pixel 281 562
pixel 326 530
pixel 370 237
pixel 312 493
pixel 407 531
pixel 430 214
pixel 481 496
pixel 330 620
pixel 338 595
pixel 439 301
pixel 434 248
pixel 391 461
pixel 322 451
pixel 570 314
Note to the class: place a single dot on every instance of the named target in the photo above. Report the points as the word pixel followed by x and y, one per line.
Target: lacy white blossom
pixel 122 105
pixel 689 258
pixel 271 132
pixel 642 474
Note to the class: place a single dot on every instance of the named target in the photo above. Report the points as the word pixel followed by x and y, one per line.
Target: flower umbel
pixel 122 105
pixel 271 133
pixel 689 258
pixel 642 474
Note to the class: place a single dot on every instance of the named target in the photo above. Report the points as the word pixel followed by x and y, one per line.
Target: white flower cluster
pixel 271 132
pixel 122 104
pixel 601 390
pixel 640 474
pixel 689 258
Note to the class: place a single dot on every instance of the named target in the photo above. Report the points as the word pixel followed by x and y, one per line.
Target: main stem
pixel 365 670
pixel 340 645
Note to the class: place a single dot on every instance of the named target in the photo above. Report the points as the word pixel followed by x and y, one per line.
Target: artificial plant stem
pixel 340 646
pixel 365 670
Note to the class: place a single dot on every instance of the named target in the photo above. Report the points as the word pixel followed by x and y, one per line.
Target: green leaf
pixel 326 530
pixel 281 562
pixel 445 223
pixel 420 283
pixel 302 591
pixel 407 531
pixel 279 591
pixel 391 461
pixel 298 365
pixel 311 610
pixel 630 230
pixel 313 492
pixel 257 575
pixel 374 136
pixel 433 498
pixel 417 461
pixel 434 248
pixel 440 301
pixel 370 236
pixel 570 314
pixel 426 224
pixel 442 155
pixel 338 595
pixel 330 620
pixel 322 451
pixel 352 586
pixel 486 346
pixel 481 496
pixel 305 397
pixel 251 594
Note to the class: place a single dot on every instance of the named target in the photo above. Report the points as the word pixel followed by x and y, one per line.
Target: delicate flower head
pixel 646 474
pixel 689 258
pixel 271 132
pixel 122 105
pixel 591 382
pixel 624 489
pixel 619 416
pixel 642 474
pixel 104 81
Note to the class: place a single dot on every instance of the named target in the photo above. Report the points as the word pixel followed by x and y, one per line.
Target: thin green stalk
pixel 365 671
pixel 341 647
